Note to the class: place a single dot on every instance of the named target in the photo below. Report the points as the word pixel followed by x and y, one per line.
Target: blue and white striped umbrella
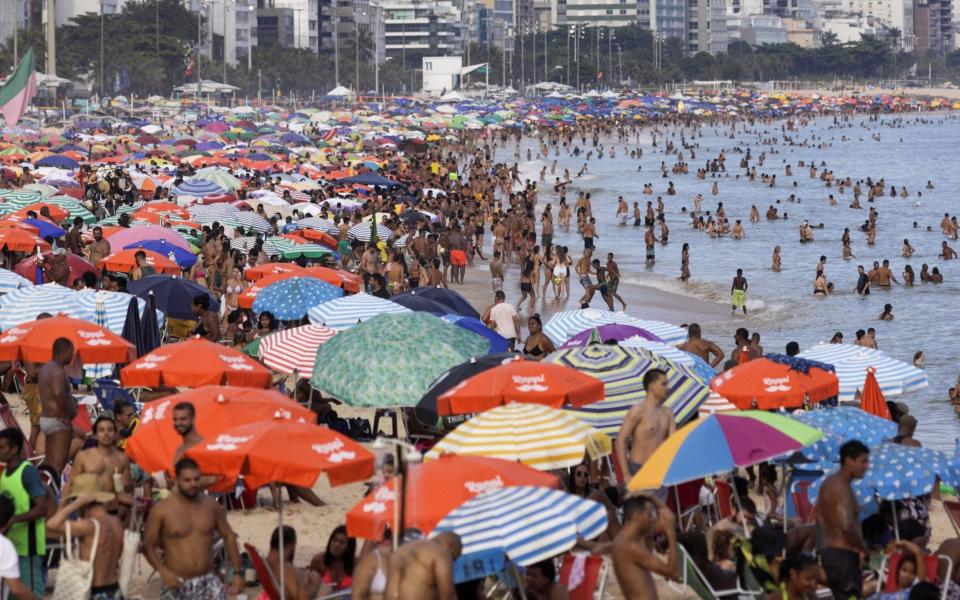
pixel 850 423
pixel 96 371
pixel 851 363
pixel 319 224
pixel 228 214
pixel 196 187
pixel 290 299
pixel 10 281
pixel 24 304
pixel 361 231
pixel 674 354
pixel 566 324
pixel 529 524
pixel 897 472
pixel 346 312
pixel 114 305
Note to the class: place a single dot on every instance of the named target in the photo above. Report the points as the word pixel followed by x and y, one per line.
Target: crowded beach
pixel 338 352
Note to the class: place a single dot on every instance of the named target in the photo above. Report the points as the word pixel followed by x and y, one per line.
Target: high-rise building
pixel 601 13
pixel 434 27
pixel 706 26
pixel 933 28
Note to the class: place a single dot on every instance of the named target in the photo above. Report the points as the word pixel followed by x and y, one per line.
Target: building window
pixel 609 11
pixel 623 11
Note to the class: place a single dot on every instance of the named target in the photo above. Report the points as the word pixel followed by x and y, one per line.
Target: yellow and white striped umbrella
pixel 541 437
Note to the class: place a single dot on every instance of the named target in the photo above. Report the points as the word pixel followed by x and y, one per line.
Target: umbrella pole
pixel 896 526
pixel 736 499
pixel 403 492
pixel 785 486
pixel 515 573
pixel 283 594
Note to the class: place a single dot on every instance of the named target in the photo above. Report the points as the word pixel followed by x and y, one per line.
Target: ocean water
pixel 911 150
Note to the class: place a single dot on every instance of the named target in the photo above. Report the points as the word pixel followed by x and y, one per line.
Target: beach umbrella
pixel 347 312
pixel 24 304
pixel 454 302
pixel 113 306
pixel 418 303
pixel 872 400
pixel 272 268
pixel 291 298
pixel 350 282
pixel 777 381
pixel 10 281
pixel 184 258
pixel 19 240
pixel 544 438
pixel 529 524
pixel 124 238
pixel 290 249
pixel 220 177
pixel 565 324
pixel 154 441
pixel 294 350
pixel 196 187
pixel 498 343
pixel 611 331
pixel 850 423
pixel 45 229
pixel 319 224
pixel 194 363
pixel 33 341
pixel 131 327
pixel 281 450
pixel 460 478
pixel 426 411
pixel 521 381
pixel 720 443
pixel 150 326
pixel 364 232
pixel 125 261
pixel 897 472
pixel 622 370
pixel 851 363
pixel 173 295
pixel 409 351
pixel 369 179
pixel 78 265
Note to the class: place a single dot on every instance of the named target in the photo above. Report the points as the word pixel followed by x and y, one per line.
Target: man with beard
pixel 183 525
pixel 183 416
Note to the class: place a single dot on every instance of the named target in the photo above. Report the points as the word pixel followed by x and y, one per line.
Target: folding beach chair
pixel 593 583
pixel 891 564
pixel 724 497
pixel 693 578
pixel 953 512
pixel 267 581
pixel 801 502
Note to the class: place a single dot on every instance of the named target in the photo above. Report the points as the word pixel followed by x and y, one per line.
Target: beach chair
pixel 593 585
pixel 691 577
pixel 891 564
pixel 952 507
pixel 264 574
pixel 108 391
pixel 724 498
pixel 801 502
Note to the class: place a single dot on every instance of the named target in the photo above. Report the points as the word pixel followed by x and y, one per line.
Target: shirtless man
pixel 90 499
pixel 59 405
pixel 613 278
pixel 106 462
pixel 837 516
pixel 646 425
pixel 583 272
pixel 298 584
pixel 634 556
pixel 885 276
pixel 424 570
pixel 701 347
pixel 496 272
pixel 183 417
pixel 183 526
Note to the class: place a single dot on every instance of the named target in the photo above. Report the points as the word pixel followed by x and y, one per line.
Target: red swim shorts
pixel 458 258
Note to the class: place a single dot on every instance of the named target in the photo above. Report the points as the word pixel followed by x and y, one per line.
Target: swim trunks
pixel 205 587
pixel 844 577
pixel 546 239
pixel 497 284
pixel 588 243
pixel 526 287
pixel 585 282
pixel 612 285
pixel 458 258
pixel 105 592
pixel 31 397
pixel 651 253
pixel 51 425
pixel 739 298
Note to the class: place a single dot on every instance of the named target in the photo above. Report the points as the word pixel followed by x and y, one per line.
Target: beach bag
pixel 130 554
pixel 75 576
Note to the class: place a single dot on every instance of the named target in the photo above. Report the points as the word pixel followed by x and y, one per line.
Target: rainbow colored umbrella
pixel 721 443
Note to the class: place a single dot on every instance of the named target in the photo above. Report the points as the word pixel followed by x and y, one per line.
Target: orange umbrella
pixel 160 206
pixel 271 268
pixel 155 441
pixel 350 282
pixel 282 451
pixel 775 382
pixel 16 224
pixel 194 363
pixel 525 381
pixel 57 213
pixel 125 261
pixel 20 240
pixel 872 400
pixel 435 488
pixel 33 341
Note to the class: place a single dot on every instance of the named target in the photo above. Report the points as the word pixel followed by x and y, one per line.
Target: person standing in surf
pixel 738 292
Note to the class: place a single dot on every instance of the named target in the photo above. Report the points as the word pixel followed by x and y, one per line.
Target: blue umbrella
pixel 183 257
pixel 369 179
pixel 528 523
pixel 849 423
pixel 197 187
pixel 418 303
pixel 454 301
pixel 59 161
pixel 290 299
pixel 498 343
pixel 173 295
pixel 46 228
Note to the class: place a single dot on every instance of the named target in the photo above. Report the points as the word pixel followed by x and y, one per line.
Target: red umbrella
pixel 194 363
pixel 872 400
pixel 33 341
pixel 78 266
pixel 770 383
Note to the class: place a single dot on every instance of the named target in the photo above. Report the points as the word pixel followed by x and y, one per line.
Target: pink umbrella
pixel 78 266
pixel 132 235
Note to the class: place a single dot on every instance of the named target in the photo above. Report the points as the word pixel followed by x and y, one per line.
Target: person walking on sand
pixel 646 425
pixel 613 279
pixel 183 526
pixel 59 405
pixel 634 552
pixel 837 515
pixel 738 292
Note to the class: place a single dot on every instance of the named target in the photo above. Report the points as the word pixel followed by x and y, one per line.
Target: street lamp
pixel 362 14
pixel 336 42
pixel 250 17
pixel 202 5
pixel 406 454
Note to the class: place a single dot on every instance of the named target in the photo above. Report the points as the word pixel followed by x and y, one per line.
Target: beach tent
pixel 339 92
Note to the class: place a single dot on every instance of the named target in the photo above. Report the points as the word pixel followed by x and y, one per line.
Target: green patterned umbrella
pixel 392 359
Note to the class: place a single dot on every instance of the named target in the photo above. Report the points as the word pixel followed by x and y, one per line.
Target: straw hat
pixel 87 483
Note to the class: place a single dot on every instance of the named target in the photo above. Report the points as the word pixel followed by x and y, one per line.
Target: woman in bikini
pixel 537 345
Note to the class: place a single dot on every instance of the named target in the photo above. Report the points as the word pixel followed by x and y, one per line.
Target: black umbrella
pixel 453 300
pixel 418 303
pixel 150 329
pixel 173 295
pixel 131 327
pixel 426 409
